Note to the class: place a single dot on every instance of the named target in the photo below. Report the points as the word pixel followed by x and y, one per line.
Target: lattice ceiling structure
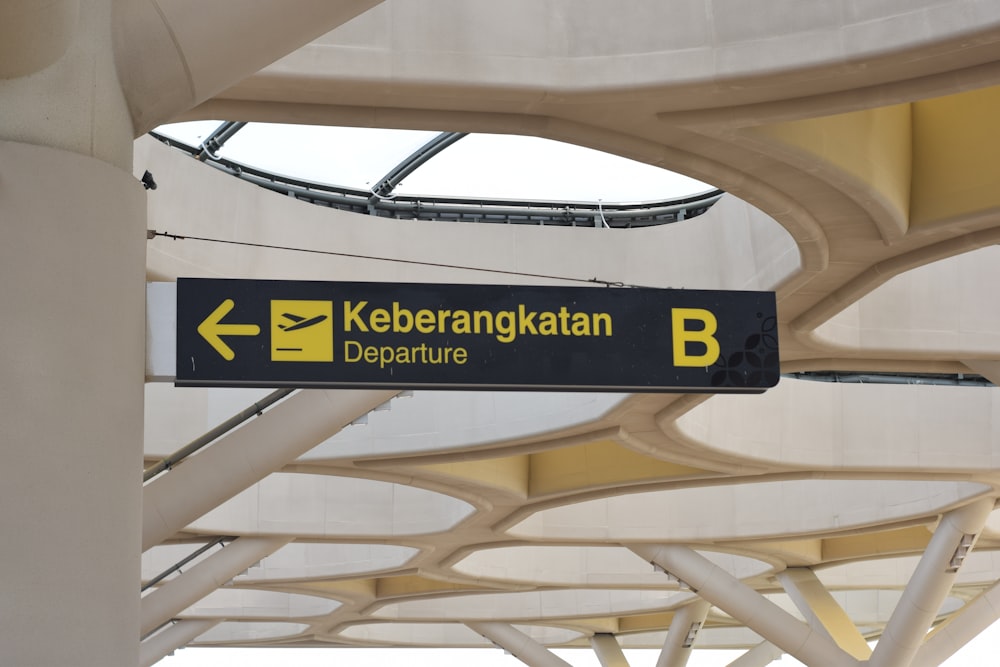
pixel 853 148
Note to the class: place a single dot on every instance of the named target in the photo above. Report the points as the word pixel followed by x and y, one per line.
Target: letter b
pixel 705 336
pixel 402 319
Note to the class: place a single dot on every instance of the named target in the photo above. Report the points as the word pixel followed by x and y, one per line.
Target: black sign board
pixel 271 333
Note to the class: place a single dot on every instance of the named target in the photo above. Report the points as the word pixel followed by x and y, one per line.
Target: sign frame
pixel 233 333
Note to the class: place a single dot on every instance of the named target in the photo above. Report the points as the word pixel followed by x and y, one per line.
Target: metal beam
pixel 747 606
pixel 464 209
pixel 822 612
pixel 219 136
pixel 414 161
pixel 518 644
pixel 681 636
pixel 929 585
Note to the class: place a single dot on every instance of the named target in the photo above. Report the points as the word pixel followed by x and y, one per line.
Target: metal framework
pixel 381 202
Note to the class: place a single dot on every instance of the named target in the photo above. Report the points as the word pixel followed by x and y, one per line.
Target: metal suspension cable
pixel 181 237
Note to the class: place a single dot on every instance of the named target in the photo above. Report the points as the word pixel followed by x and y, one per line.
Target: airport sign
pixel 274 333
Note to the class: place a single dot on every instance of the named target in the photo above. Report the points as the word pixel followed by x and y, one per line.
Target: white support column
pixel 680 637
pixel 218 569
pixel 960 628
pixel 822 612
pixel 168 640
pixel 72 274
pixel 928 587
pixel 760 655
pixel 244 457
pixel 748 606
pixel 518 644
pixel 608 650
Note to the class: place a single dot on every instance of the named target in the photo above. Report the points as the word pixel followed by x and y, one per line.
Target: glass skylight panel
pixel 515 167
pixel 351 157
pixel 484 166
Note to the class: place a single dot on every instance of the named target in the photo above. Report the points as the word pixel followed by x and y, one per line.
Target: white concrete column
pixel 218 569
pixel 748 606
pixel 518 644
pixel 822 612
pixel 928 587
pixel 677 648
pixel 760 655
pixel 72 271
pixel 246 456
pixel 960 628
pixel 168 640
pixel 608 650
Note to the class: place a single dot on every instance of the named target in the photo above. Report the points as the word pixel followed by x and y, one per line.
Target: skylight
pixel 478 166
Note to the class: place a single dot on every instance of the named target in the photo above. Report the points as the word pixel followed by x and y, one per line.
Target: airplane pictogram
pixel 299 322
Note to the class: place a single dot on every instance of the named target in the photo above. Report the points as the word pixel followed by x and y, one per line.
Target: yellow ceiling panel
pixel 598 464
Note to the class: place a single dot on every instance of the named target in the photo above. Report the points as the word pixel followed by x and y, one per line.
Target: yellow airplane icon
pixel 300 322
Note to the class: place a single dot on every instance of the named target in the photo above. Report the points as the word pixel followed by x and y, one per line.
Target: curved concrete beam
pixel 174 54
pixel 180 593
pixel 518 644
pixel 245 456
pixel 34 34
pixel 177 636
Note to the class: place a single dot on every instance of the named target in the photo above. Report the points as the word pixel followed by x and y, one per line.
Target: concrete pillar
pixel 760 655
pixel 72 298
pixel 747 605
pixel 929 586
pixel 72 272
pixel 608 650
pixel 247 455
pixel 72 266
pixel 168 640
pixel 676 647
pixel 960 628
pixel 218 569
pixel 821 611
pixel 518 644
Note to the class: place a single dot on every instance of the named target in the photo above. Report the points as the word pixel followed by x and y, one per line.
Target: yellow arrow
pixel 212 329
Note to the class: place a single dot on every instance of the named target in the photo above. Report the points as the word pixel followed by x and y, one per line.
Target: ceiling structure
pixel 856 146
